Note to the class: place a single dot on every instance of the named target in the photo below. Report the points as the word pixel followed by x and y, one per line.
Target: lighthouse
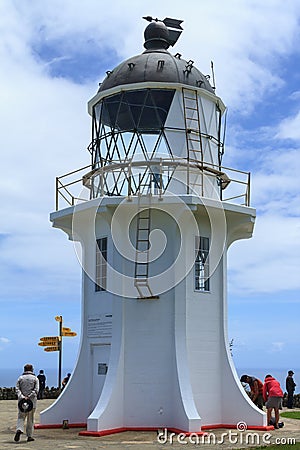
pixel 152 218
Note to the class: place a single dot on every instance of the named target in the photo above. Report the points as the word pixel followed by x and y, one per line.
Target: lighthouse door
pixel 100 358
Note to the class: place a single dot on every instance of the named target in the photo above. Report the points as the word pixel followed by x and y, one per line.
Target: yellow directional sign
pixel 51 349
pixel 46 343
pixel 50 338
pixel 66 329
pixel 69 333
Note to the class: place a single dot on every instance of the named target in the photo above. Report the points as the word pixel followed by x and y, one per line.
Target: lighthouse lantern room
pixel 154 215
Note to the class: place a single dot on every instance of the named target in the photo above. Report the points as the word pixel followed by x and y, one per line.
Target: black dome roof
pixel 156 64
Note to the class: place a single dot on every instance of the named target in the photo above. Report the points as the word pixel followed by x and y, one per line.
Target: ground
pixel 69 439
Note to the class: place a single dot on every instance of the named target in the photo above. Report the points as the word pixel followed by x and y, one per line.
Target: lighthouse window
pixel 144 110
pixel 101 264
pixel 201 264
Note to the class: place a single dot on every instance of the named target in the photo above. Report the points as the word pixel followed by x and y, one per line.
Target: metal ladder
pixel 192 131
pixel 143 228
pixel 192 124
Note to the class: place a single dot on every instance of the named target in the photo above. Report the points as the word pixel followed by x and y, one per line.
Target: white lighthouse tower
pixel 155 216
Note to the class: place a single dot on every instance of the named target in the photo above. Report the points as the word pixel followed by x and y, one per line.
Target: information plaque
pixel 99 326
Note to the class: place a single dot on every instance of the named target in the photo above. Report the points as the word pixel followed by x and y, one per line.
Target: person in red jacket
pixel 273 395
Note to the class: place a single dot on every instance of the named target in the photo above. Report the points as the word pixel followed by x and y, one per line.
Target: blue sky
pixel 53 54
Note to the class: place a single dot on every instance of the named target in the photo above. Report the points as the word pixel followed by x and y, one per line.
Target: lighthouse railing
pixel 156 177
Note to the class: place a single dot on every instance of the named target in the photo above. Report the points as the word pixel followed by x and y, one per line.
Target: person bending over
pixel 273 396
pixel 256 387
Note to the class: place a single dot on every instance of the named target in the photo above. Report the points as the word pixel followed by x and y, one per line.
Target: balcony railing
pixel 155 177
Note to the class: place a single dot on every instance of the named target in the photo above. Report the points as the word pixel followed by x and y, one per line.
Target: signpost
pixel 59 319
pixel 46 343
pixel 69 333
pixel 54 343
pixel 45 340
pixel 51 349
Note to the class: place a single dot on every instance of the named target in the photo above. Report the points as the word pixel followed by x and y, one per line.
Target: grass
pixel 291 414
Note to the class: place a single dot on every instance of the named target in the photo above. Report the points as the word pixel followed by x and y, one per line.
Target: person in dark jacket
pixel 27 388
pixel 65 380
pixel 42 382
pixel 256 387
pixel 290 388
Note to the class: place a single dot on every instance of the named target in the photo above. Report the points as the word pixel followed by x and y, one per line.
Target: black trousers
pixel 290 398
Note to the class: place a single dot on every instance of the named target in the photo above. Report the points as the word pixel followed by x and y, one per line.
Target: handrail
pixel 94 181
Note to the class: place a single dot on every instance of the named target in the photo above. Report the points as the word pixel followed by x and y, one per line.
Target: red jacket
pixel 271 388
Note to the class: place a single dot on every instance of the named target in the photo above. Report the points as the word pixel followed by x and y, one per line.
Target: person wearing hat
pixel 42 383
pixel 27 389
pixel 290 388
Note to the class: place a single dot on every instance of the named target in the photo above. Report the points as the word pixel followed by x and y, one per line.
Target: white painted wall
pixel 168 359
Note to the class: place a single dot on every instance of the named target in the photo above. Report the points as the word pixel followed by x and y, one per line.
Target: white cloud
pixel 277 347
pixel 275 182
pixel 269 262
pixel 241 33
pixel 289 128
pixel 4 343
